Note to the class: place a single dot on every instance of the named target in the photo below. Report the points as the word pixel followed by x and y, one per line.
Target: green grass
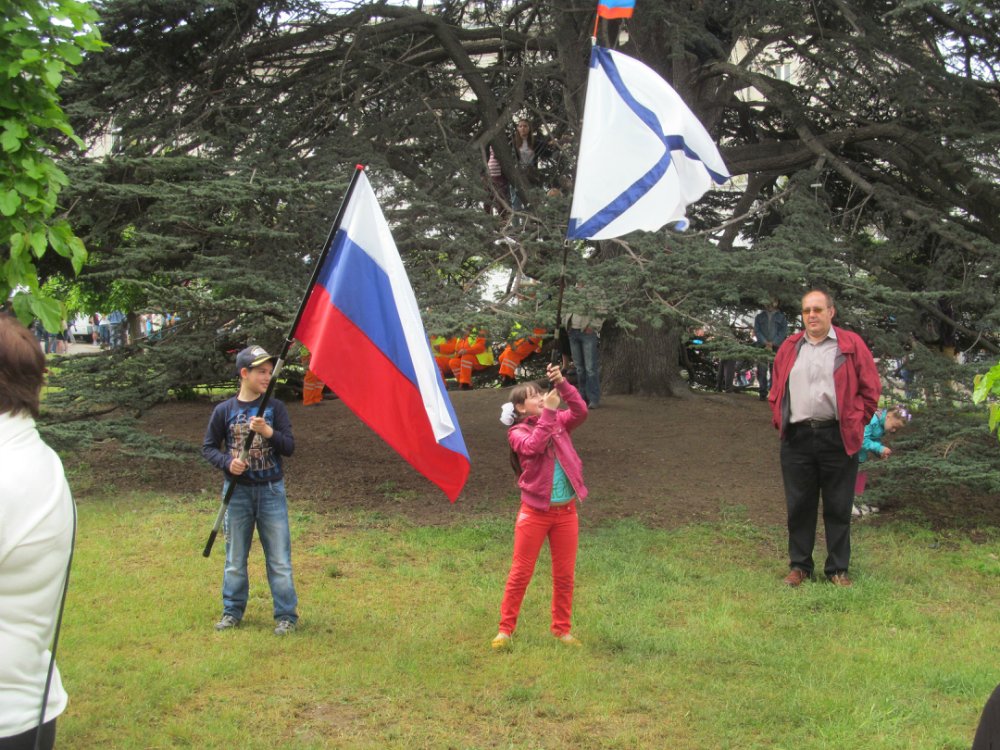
pixel 690 639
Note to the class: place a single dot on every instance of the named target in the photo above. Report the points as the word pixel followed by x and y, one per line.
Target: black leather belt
pixel 816 424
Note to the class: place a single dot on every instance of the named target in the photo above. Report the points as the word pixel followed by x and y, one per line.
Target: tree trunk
pixel 645 362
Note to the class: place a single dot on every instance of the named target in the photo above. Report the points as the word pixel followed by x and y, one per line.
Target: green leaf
pixel 16 244
pixel 52 77
pixel 39 242
pixel 22 307
pixel 9 202
pixel 48 310
pixel 986 383
pixel 57 242
pixel 79 256
pixel 26 187
pixel 994 417
pixel 9 141
pixel 70 53
pixel 32 168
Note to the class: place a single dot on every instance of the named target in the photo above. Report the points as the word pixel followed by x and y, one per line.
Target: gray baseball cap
pixel 253 356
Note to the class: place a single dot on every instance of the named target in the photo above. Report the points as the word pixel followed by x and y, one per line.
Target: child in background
pixel 883 421
pixel 551 482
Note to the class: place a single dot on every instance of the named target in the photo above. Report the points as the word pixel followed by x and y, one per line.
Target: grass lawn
pixel 690 640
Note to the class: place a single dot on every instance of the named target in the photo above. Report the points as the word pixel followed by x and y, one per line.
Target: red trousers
pixel 561 525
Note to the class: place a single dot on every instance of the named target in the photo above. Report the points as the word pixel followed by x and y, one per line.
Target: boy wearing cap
pixel 259 496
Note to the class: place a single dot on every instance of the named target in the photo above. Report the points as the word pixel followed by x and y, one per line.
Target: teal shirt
pixel 562 490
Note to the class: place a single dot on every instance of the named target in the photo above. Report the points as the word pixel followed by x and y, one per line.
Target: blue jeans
pixel 584 349
pixel 263 506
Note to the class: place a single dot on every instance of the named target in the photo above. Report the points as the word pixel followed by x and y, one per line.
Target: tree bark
pixel 645 362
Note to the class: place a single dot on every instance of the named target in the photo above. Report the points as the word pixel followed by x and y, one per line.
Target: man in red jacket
pixel 824 390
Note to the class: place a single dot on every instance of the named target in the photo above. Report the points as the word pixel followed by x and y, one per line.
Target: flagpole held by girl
pixel 551 482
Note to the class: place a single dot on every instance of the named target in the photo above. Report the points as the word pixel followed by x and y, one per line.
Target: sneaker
pixel 856 511
pixel 502 642
pixel 227 622
pixel 568 640
pixel 284 627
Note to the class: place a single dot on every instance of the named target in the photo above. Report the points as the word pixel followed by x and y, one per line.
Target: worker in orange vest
pixel 519 349
pixel 443 350
pixel 312 386
pixel 472 353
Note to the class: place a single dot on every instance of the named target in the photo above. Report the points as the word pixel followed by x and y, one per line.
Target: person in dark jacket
pixel 770 328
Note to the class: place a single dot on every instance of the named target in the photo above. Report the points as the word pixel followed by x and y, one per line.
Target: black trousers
pixel 763 378
pixel 814 464
pixel 988 731
pixel 26 740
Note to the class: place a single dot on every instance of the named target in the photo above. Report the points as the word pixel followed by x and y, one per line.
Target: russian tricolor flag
pixel 362 325
pixel 615 8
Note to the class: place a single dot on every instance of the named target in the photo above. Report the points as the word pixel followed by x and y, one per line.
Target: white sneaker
pixel 856 511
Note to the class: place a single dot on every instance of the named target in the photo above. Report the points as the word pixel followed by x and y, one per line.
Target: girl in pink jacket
pixel 551 482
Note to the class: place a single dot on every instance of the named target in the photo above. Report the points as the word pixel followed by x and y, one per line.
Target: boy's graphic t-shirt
pixel 229 427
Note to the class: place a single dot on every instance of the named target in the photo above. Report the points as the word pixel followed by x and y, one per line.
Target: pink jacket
pixel 855 379
pixel 538 441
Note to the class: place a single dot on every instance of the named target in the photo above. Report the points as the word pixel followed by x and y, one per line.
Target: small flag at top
pixel 615 8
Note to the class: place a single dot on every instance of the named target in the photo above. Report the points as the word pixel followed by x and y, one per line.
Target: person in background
pixel 883 421
pixel 521 347
pixel 37 519
pixel 116 321
pixel 497 185
pixel 312 386
pixel 826 388
pixel 529 148
pixel 584 341
pixel 105 332
pixel 443 351
pixel 472 353
pixel 770 327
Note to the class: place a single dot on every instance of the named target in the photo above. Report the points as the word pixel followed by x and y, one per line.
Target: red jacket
pixel 855 380
pixel 538 441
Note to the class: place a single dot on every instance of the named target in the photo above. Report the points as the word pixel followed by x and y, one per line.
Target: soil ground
pixel 663 461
